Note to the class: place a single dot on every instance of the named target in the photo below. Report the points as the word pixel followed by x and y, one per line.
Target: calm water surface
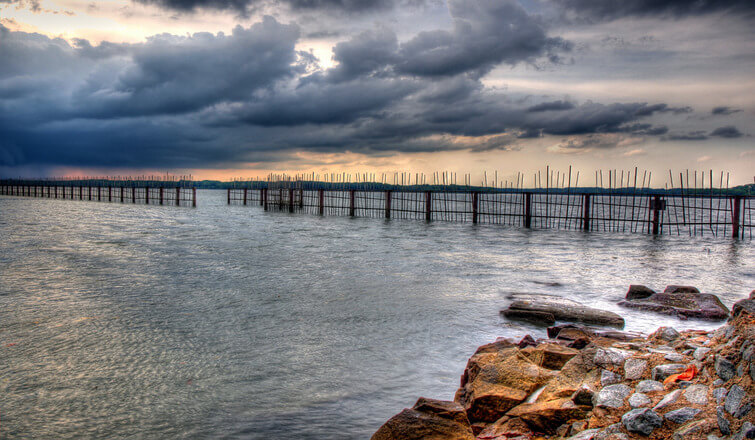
pixel 122 321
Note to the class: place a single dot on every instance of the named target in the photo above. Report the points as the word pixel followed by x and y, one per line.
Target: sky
pixel 224 89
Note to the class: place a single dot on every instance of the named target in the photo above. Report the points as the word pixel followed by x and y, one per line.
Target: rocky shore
pixel 585 383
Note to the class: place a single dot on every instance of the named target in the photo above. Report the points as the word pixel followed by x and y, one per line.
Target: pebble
pixel 612 396
pixel 748 352
pixel 682 415
pixel 668 400
pixel 638 400
pixel 588 434
pixel 610 356
pixel 661 372
pixel 668 333
pixel 700 353
pixel 609 378
pixel 734 399
pixel 718 383
pixel 688 430
pixel 647 386
pixel 747 431
pixel 674 357
pixel 634 368
pixel 719 394
pixel 643 420
pixel 723 424
pixel 696 394
pixel 724 368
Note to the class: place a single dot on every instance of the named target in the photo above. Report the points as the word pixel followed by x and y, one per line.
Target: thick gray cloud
pixel 724 111
pixel 243 7
pixel 217 100
pixel 614 9
pixel 729 131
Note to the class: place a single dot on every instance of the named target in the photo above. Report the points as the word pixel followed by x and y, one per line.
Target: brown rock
pixel 747 305
pixel 549 355
pixel 531 316
pixel 496 346
pixel 429 419
pixel 682 304
pixel 680 289
pixel 579 370
pixel 506 428
pixel 548 416
pixel 637 291
pixel 493 383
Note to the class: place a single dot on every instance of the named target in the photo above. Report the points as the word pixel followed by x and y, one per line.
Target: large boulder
pixel 495 382
pixel 561 309
pixel 637 291
pixel 548 416
pixel 681 302
pixel 429 419
pixel 578 371
pixel 747 305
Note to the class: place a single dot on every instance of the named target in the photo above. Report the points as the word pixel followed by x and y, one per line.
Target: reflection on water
pixel 128 321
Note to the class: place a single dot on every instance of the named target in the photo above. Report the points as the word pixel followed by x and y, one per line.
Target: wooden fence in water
pixel 152 191
pixel 638 211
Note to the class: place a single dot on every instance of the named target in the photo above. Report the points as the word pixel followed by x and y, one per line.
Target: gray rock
pixel 744 305
pixel 682 415
pixel 634 368
pixel 683 384
pixel 723 423
pixel 748 350
pixel 718 382
pixel 668 400
pixel 610 356
pixel 684 305
pixel 609 378
pixel 587 434
pixel 734 399
pixel 668 333
pixel 642 420
pixel 719 394
pixel 724 368
pixel 647 386
pixel 688 352
pixel 741 369
pixel 612 396
pixel 700 353
pixel 674 357
pixel 696 394
pixel 747 431
pixel 639 400
pixel 752 371
pixel 743 410
pixel 661 372
pixel 564 309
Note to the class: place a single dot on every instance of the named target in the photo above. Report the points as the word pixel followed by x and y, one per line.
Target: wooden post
pixel 81 193
pixel 280 198
pixel 428 206
pixel 99 193
pixel 245 193
pixel 735 215
pixel 90 193
pixel 586 212
pixel 229 196
pixel 301 198
pixel 121 194
pixel 146 195
pixel 388 204
pixel 321 196
pixel 178 196
pixel 351 203
pixel 656 206
pixel 161 195
pixel 133 194
pixel 290 200
pixel 109 194
pixel 264 198
pixel 527 210
pixel 56 191
pixel 194 197
pixel 475 198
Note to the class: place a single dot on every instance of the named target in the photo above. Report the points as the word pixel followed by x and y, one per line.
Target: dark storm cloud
pixel 551 106
pixel 217 100
pixel 729 131
pixel 724 111
pixel 697 135
pixel 601 10
pixel 243 7
pixel 485 33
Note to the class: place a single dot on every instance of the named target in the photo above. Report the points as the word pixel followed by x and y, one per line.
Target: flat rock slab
pixel 683 304
pixel 562 309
